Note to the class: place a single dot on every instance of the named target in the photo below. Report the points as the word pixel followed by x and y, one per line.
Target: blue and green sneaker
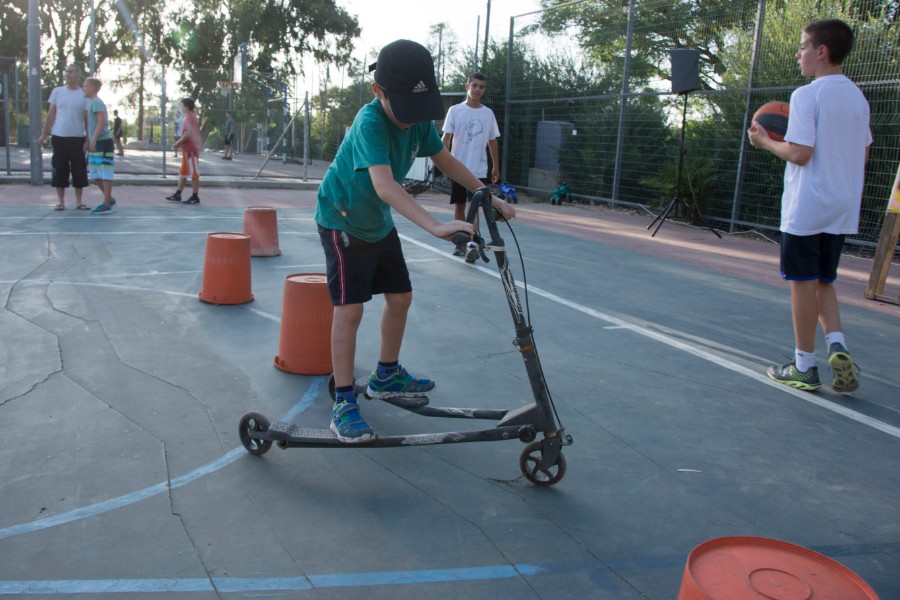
pixel 398 384
pixel 348 425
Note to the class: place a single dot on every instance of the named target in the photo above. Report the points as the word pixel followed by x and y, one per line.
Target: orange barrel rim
pixel 753 568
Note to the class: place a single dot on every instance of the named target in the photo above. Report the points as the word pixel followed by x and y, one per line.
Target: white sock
pixel 835 337
pixel 804 361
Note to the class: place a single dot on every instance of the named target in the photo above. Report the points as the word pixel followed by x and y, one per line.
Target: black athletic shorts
pixel 357 270
pixel 68 159
pixel 229 140
pixel 808 257
pixel 460 195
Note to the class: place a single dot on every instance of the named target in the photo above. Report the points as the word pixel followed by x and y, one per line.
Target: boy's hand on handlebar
pixel 446 230
pixel 507 211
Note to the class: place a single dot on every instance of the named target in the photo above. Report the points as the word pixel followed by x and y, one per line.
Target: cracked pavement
pixel 121 394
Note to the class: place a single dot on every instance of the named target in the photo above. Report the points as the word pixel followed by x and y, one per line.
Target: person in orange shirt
pixel 189 142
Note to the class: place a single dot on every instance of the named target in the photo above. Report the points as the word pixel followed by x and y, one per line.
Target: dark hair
pixel 478 76
pixel 835 35
pixel 189 102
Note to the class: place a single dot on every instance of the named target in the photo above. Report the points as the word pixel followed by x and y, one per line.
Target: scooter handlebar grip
pixel 460 238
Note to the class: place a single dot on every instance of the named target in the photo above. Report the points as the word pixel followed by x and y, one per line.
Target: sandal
pixel 82 207
pixel 59 207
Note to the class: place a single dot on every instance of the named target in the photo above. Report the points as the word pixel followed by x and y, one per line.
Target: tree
pixel 444 46
pixel 14 32
pixel 275 34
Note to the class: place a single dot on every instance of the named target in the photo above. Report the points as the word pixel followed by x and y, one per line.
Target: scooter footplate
pixel 287 432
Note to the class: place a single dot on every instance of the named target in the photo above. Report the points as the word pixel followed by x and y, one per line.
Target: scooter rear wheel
pixel 530 464
pixel 250 423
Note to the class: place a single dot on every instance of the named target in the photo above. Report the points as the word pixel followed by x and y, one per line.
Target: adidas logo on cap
pixel 420 87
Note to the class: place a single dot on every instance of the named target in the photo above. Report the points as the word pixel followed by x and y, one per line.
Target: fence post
pixel 6 142
pixel 507 108
pixel 306 137
pixel 34 92
pixel 162 112
pixel 623 103
pixel 754 62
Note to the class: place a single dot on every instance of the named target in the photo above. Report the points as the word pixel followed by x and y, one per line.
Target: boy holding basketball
pixel 826 147
pixel 362 248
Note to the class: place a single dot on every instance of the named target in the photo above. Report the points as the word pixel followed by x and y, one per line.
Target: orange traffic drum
pixel 261 224
pixel 751 568
pixel 226 269
pixel 304 344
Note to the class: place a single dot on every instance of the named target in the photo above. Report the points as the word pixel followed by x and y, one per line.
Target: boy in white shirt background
pixel 469 127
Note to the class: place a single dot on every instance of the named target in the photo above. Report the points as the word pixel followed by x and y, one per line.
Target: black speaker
pixel 685 70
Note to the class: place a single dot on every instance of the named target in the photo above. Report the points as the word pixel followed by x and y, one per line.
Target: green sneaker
pixel 789 375
pixel 845 378
pixel 399 384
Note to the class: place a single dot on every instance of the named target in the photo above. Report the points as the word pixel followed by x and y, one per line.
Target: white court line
pixel 693 350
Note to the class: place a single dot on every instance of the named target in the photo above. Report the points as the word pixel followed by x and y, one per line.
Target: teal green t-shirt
pixel 347 198
pixel 95 106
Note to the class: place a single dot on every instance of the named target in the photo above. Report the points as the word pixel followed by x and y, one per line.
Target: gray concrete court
pixel 137 163
pixel 121 472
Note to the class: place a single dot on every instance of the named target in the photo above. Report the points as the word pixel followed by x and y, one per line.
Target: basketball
pixel 773 116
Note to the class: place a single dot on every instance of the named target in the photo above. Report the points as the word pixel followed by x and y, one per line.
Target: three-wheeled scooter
pixel 542 461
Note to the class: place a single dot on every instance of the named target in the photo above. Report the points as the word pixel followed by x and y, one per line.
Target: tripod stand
pixel 673 204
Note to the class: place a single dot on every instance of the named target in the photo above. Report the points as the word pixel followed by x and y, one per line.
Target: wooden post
pixel 884 252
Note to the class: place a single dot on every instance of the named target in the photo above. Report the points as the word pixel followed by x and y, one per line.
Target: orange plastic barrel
pixel 751 568
pixel 304 344
pixel 226 269
pixel 261 224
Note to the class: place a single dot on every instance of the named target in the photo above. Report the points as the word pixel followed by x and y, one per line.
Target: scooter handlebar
pixel 460 238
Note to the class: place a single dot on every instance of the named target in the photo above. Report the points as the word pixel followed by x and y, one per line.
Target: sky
pixel 384 22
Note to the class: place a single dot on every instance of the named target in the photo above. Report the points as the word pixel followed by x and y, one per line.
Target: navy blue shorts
pixel 809 257
pixel 357 270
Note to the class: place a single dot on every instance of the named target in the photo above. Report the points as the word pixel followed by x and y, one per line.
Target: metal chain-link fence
pixel 581 92
pixel 270 120
pixel 584 97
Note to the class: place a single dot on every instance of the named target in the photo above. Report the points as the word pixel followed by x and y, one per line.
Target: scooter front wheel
pixel 250 423
pixel 535 472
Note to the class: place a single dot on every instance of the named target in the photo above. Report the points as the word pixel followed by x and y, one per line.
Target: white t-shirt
pixel 830 115
pixel 472 128
pixel 71 108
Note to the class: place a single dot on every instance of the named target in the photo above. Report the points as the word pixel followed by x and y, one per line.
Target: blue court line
pixel 114 503
pixel 605 571
pixel 238 585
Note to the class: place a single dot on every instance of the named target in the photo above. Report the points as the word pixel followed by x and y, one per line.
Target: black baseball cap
pixel 405 71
